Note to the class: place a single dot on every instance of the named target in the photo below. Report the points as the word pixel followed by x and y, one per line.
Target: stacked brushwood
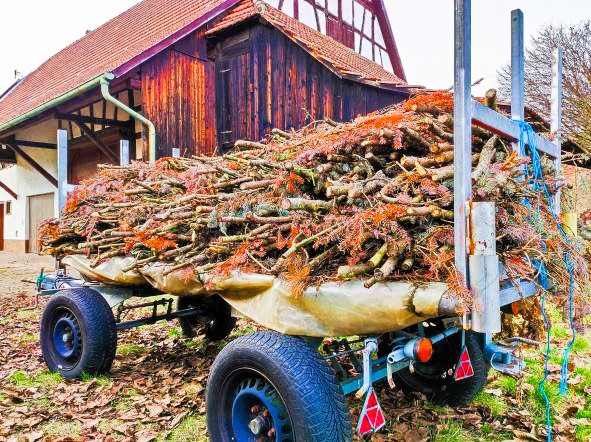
pixel 369 199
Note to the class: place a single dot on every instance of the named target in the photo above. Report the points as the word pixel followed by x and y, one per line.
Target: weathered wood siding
pixel 241 85
pixel 265 80
pixel 178 96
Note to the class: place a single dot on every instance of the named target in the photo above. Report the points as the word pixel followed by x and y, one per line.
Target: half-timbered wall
pixel 264 80
pixel 358 24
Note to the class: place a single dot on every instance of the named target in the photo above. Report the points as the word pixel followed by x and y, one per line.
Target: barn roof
pixel 339 58
pixel 137 34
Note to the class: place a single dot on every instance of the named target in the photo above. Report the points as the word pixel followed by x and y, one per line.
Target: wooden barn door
pixel 234 90
pixel 40 209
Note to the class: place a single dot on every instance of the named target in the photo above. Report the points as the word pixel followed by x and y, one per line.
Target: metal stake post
pixel 517 67
pixel 462 131
pixel 124 153
pixel 62 169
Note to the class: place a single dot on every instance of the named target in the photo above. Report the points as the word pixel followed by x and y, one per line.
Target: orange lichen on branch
pixel 389 120
pixel 440 100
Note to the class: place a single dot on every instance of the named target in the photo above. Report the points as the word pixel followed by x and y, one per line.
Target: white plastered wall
pixel 26 181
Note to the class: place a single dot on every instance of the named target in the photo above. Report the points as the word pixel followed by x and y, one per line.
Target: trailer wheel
pixel 435 378
pixel 271 387
pixel 78 333
pixel 218 322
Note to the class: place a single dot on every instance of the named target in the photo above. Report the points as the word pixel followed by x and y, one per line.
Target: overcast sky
pixel 33 30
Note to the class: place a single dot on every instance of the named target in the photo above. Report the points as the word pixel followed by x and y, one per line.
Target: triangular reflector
pixel 464 368
pixel 372 417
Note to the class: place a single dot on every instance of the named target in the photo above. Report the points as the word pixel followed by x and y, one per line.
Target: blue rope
pixel 527 137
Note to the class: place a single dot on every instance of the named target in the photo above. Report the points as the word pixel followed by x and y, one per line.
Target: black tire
pixel 219 323
pixel 84 316
pixel 294 373
pixel 435 379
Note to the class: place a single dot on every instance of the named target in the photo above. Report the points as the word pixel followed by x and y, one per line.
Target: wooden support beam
pixel 36 144
pixel 91 136
pixel 8 190
pixel 90 120
pixel 34 164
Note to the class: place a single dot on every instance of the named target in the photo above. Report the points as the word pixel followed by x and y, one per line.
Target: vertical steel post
pixel 517 66
pixel 124 152
pixel 462 130
pixel 556 115
pixel 62 169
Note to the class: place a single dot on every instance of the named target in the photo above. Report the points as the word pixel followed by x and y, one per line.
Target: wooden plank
pixel 34 164
pixel 90 120
pixel 35 144
pixel 91 136
pixel 41 207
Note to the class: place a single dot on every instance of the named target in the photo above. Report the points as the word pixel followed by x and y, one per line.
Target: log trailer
pixel 271 386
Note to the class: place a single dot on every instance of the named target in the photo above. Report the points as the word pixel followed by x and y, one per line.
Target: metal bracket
pixel 371 346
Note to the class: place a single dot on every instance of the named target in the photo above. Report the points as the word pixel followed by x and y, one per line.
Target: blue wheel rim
pixel 259 413
pixel 66 337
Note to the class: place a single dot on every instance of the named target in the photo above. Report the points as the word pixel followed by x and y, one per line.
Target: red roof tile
pixel 108 47
pixel 339 58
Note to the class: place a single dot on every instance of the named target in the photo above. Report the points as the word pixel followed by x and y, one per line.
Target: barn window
pixel 347 6
pixel 333 7
pixel 378 36
pixel 288 8
pixel 359 15
pixel 308 15
pixel 322 21
pixel 8 207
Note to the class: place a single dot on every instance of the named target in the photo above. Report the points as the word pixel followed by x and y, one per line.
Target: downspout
pixel 104 81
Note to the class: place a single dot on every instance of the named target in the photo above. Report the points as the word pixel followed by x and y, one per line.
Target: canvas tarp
pixel 331 309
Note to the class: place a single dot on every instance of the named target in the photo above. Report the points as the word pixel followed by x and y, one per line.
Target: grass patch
pixel 452 431
pixel 27 315
pixel 507 384
pixel 4 321
pixel 42 403
pixel 175 332
pixel 581 344
pixel 43 379
pixel 192 428
pixel 62 429
pixel 583 433
pixel 28 338
pixel 496 405
pixel 101 380
pixel 126 350
pixel 126 400
pixel 538 405
pixel 439 409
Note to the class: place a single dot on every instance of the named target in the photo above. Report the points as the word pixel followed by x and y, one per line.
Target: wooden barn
pixel 187 77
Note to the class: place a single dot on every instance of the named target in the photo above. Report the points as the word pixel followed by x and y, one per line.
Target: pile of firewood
pixel 369 199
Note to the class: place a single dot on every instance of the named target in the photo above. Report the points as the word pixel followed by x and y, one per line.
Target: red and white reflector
pixel 464 368
pixel 372 417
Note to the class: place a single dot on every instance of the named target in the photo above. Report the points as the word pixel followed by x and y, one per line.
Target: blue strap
pixel 527 138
